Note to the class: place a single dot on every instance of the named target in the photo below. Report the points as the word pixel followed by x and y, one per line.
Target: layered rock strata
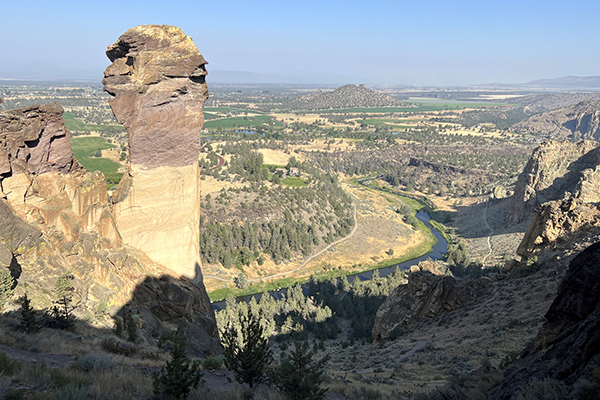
pixel 556 170
pixel 427 293
pixel 34 140
pixel 157 78
pixel 56 217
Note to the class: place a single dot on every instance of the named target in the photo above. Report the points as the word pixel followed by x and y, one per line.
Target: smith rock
pixel 157 80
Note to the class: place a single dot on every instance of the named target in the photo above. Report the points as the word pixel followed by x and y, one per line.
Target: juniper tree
pixel 180 374
pixel 247 352
pixel 300 375
pixel 63 290
pixel 28 318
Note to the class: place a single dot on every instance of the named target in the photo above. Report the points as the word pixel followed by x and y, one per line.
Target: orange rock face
pixel 157 78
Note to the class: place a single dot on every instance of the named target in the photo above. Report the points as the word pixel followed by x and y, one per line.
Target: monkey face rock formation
pixel 157 78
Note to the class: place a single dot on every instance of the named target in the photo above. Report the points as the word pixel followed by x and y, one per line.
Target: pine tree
pixel 249 357
pixel 28 318
pixel 299 375
pixel 63 290
pixel 180 375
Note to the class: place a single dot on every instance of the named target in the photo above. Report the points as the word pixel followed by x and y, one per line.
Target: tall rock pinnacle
pixel 157 80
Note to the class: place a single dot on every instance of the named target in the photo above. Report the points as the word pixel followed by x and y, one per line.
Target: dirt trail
pixel 489 238
pixel 309 259
pixel 51 360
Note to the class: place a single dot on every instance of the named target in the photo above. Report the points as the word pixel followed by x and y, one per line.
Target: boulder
pixel 559 222
pixel 427 294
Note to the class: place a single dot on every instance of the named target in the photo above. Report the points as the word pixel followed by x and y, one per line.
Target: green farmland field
pixel 76 125
pixel 84 146
pixel 235 122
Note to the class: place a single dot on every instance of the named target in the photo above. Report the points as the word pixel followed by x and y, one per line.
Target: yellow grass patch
pixel 274 157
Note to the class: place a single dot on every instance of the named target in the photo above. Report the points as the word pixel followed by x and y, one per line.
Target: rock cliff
pixel 157 78
pixel 34 140
pixel 556 170
pixel 579 121
pixel 558 223
pixel 567 348
pixel 427 294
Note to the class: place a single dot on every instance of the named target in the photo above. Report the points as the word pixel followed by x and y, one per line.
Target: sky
pixel 377 42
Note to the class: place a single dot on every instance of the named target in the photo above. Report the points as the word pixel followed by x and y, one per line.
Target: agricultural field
pixel 77 125
pixel 84 147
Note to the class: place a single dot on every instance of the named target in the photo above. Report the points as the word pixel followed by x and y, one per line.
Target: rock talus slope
pixel 157 78
pixel 567 348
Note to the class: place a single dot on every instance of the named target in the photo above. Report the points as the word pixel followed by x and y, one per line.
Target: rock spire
pixel 157 78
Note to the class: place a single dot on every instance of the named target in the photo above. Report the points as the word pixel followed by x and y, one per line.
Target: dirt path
pixel 309 259
pixel 51 360
pixel 489 238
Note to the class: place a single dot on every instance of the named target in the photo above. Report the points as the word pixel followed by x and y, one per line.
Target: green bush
pixel 94 362
pixel 8 366
pixel 212 363
pixel 300 375
pixel 545 389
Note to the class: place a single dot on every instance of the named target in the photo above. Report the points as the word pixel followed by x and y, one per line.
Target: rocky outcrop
pixel 559 222
pixel 556 170
pixel 157 78
pixel 579 121
pixel 427 294
pixel 105 273
pixel 567 348
pixel 34 140
pixel 347 96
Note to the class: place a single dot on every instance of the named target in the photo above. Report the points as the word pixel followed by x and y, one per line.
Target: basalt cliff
pixel 556 170
pixel 56 217
pixel 575 122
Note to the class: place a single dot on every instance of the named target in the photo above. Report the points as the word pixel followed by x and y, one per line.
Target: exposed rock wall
pixel 556 170
pixel 427 294
pixel 559 222
pixel 567 348
pixel 157 78
pixel 578 121
pixel 34 140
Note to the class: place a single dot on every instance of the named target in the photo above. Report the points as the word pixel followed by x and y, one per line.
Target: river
pixel 436 253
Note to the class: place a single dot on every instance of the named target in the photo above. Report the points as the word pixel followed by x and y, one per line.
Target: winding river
pixel 437 252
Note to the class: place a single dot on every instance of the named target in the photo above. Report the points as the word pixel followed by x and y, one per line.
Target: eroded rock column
pixel 157 80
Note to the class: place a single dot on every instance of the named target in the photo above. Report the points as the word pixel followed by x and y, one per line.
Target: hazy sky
pixel 446 42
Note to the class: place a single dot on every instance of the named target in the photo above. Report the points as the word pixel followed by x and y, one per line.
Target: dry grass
pixel 275 157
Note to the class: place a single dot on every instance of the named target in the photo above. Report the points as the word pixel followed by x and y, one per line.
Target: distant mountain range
pixel 568 81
